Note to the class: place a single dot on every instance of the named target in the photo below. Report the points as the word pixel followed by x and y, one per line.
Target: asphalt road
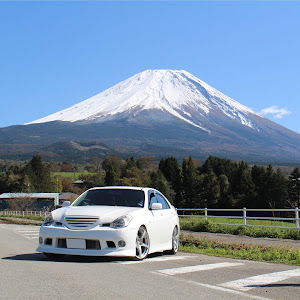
pixel 26 274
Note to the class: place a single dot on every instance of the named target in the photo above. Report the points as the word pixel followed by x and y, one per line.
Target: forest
pixel 217 183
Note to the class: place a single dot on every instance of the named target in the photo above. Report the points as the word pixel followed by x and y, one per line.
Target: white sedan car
pixel 112 221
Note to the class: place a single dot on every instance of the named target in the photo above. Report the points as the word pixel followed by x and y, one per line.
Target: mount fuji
pixel 164 112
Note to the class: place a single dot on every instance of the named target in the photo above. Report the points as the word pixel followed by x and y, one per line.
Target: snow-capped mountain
pixel 177 93
pixel 161 113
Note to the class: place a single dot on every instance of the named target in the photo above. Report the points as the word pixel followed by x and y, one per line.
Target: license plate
pixel 76 244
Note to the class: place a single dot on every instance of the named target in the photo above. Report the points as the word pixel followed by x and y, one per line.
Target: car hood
pixel 106 214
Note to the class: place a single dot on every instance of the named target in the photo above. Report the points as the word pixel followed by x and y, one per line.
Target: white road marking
pixel 214 287
pixel 31 233
pixel 189 269
pixel 155 259
pixel 260 280
pixel 24 231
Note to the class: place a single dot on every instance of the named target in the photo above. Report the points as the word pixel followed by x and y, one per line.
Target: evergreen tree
pixel 294 187
pixel 172 173
pixel 242 186
pixel 38 176
pixel 112 176
pixel 190 180
pixel 159 182
pixel 210 190
pixel 280 191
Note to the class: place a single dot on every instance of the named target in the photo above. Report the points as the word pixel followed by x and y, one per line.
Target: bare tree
pixel 22 203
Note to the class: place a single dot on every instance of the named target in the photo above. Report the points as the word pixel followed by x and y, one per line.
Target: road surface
pixel 26 274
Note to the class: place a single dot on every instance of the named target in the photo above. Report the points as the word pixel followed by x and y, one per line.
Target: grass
pixel 202 225
pixel 249 222
pixel 31 220
pixel 35 218
pixel 71 175
pixel 241 251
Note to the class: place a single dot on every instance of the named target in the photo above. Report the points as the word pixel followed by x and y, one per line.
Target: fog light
pixel 41 240
pixel 121 244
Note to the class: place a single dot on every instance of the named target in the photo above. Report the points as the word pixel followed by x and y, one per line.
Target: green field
pixel 237 222
pixel 72 175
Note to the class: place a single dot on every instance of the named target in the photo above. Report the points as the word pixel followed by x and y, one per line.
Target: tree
pixel 112 176
pixel 116 159
pixel 172 173
pixel 279 192
pixel 242 186
pixel 22 203
pixel 96 163
pixel 146 163
pixel 294 187
pixel 38 176
pixel 210 190
pixel 93 180
pixel 190 180
pixel 159 182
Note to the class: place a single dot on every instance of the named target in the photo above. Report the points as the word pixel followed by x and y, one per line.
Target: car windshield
pixel 111 197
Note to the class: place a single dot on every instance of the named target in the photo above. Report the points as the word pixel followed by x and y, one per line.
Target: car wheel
pixel 53 255
pixel 142 243
pixel 175 241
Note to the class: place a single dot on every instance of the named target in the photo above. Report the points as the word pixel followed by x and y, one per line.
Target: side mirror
pixel 156 206
pixel 66 203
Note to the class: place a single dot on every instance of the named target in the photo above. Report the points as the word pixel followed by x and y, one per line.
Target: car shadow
pixel 274 285
pixel 73 258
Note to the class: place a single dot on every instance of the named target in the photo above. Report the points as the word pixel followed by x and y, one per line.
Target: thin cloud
pixel 275 111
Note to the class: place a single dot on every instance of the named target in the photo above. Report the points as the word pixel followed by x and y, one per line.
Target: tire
pixel 142 244
pixel 175 241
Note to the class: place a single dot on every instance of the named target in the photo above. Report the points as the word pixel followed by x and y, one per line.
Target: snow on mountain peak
pixel 176 92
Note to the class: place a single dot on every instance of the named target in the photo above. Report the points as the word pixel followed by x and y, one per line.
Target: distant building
pixel 78 183
pixel 67 197
pixel 42 200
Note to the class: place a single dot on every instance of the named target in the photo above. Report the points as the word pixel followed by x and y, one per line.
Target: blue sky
pixel 55 54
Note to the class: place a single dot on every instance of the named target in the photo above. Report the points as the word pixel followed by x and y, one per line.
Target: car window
pixel 152 198
pixel 160 199
pixel 111 197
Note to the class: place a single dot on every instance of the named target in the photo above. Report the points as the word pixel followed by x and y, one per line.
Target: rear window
pixel 111 197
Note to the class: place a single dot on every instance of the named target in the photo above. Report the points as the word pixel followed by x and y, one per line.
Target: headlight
pixel 121 222
pixel 48 220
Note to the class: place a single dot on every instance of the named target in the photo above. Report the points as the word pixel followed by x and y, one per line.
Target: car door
pixel 160 221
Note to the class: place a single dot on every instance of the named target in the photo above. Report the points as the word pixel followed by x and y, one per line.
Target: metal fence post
pixel 205 213
pixel 297 217
pixel 245 216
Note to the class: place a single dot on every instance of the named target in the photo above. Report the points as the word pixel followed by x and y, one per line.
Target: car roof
pixel 122 188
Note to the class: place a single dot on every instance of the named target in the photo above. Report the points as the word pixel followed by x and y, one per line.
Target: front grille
pixel 80 222
pixel 48 241
pixel 89 244
pixel 111 244
pixel 61 243
pixel 92 244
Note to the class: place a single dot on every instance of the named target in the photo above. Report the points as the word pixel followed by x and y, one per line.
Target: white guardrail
pixel 204 213
pixel 191 212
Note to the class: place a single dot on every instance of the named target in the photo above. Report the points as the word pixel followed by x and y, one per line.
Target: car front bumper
pixel 98 241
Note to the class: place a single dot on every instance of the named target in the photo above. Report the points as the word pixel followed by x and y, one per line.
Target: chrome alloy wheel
pixel 142 243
